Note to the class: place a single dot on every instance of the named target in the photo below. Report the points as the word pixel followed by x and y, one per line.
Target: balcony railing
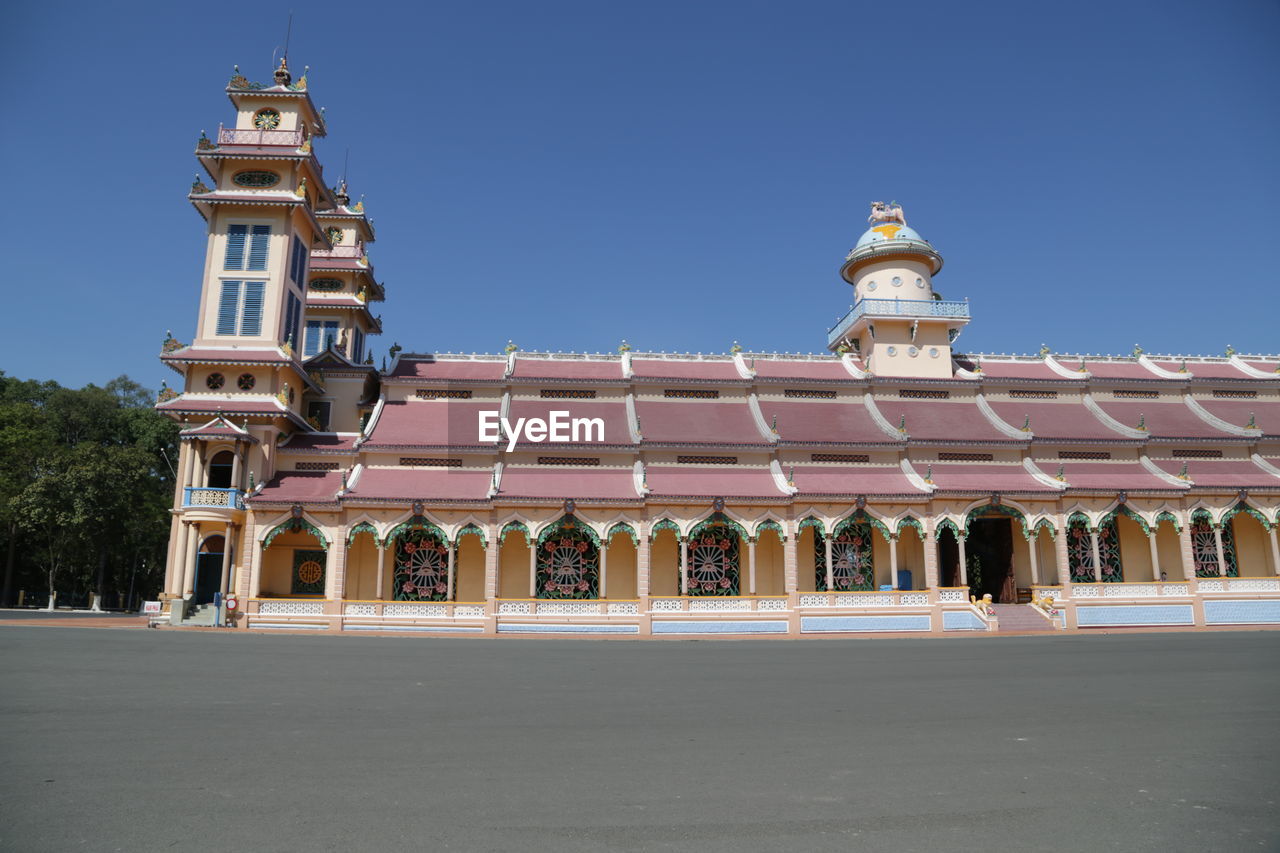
pixel 356 251
pixel 216 498
pixel 253 136
pixel 896 308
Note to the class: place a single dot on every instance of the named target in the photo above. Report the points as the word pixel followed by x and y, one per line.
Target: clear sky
pixel 678 174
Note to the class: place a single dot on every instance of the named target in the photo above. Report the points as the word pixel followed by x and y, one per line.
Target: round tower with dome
pixel 897 324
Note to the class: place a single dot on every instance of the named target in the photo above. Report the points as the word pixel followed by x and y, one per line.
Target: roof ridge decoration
pixel 924 484
pixel 1066 372
pixel 899 433
pixel 639 479
pixel 745 371
pixel 1249 370
pixel 1145 361
pixel 1107 420
pixel 996 421
pixel 633 419
pixel 1029 465
pixel 757 417
pixel 1179 480
pixel 1218 423
pixel 856 372
pixel 784 485
pixel 1257 459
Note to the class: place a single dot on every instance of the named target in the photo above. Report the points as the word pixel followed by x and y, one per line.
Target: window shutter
pixel 358 352
pixel 235 247
pixel 251 319
pixel 228 304
pixel 258 247
pixel 330 333
pixel 311 345
pixel 297 321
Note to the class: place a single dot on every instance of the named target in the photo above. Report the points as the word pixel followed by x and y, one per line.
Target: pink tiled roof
pixel 727 482
pixel 985 477
pixel 432 423
pixel 696 370
pixel 1202 369
pixel 826 370
pixel 567 482
pixel 1110 476
pixel 320 442
pixel 614 415
pixel 549 368
pixel 460 370
pixel 941 420
pixel 301 487
pixel 1171 419
pixel 811 422
pixel 702 422
pixel 226 407
pixel 1117 369
pixel 1031 369
pixel 339 264
pixel 226 355
pixel 217 432
pixel 1222 473
pixel 1265 366
pixel 1266 414
pixel 427 484
pixel 1061 421
pixel 851 480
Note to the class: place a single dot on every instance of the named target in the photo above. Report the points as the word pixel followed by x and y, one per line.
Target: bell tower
pixel 898 324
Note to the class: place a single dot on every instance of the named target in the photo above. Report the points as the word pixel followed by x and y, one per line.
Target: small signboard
pixel 232 604
pixel 150 607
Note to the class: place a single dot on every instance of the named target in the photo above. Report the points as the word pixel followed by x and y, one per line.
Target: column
pixel 178 570
pixel 1097 562
pixel 684 566
pixel 189 568
pixel 225 582
pixel 382 559
pixel 453 548
pixel 790 557
pixel 335 581
pixel 604 568
pixel 1275 551
pixel 826 543
pixel 930 543
pixel 533 567
pixel 751 576
pixel 236 467
pixel 492 548
pixel 893 561
pixel 642 563
pixel 1155 553
pixel 1188 552
pixel 190 479
pixel 1060 553
pixel 964 562
pixel 1222 558
pixel 1034 552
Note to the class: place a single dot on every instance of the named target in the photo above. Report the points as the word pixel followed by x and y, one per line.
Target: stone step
pixel 1021 617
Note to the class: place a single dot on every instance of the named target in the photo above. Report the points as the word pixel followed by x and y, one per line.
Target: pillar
pixel 1034 554
pixel 790 557
pixel 930 542
pixel 491 550
pixel 893 561
pixel 642 564
pixel 1097 561
pixel 1275 550
pixel 453 548
pixel 255 570
pixel 1155 553
pixel 964 562
pixel 382 560
pixel 190 478
pixel 224 582
pixel 751 576
pixel 1222 557
pixel 1060 552
pixel 1188 550
pixel 236 466
pixel 684 566
pixel 604 567
pixel 189 568
pixel 178 571
pixel 826 543
pixel 331 571
pixel 533 566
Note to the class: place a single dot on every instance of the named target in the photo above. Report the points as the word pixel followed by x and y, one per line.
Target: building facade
pixel 887 486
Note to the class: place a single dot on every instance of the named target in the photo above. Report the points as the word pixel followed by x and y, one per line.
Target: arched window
pixel 422 563
pixel 220 470
pixel 1080 550
pixel 568 560
pixel 714 557
pixel 1204 547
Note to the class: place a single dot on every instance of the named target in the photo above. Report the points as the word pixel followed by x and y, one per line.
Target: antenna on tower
pixel 288 33
pixel 346 158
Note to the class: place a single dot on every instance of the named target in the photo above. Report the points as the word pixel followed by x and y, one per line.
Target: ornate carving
pixel 891 212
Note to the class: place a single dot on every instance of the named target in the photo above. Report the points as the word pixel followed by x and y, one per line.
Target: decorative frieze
pixel 851 458
pixel 443 393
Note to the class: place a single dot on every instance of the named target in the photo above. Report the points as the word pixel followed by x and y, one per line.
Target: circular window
pixel 893 350
pixel 913 351
pixel 919 282
pixel 256 179
pixel 871 285
pixel 933 352
pixel 897 281
pixel 246 382
pixel 267 119
pixel 334 235
pixel 326 284
pixel 215 381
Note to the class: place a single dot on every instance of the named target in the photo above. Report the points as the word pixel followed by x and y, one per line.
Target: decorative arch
pixel 989 509
pixel 911 521
pixel 1123 509
pixel 1079 549
pixel 363 527
pixel 948 524
pixel 1045 522
pixel 770 524
pixel 852 554
pixel 298 524
pixel 421 558
pixel 514 527
pixel 1243 507
pixel 661 525
pixel 623 527
pixel 714 556
pixel 860 517
pixel 1165 515
pixel 417 522
pixel 468 529
pixel 1204 546
pixel 819 529
pixel 568 560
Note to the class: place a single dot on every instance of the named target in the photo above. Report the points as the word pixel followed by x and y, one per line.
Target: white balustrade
pixel 814 599
pixel 291 608
pixel 771 605
pixel 468 611
pixel 515 608
pixel 568 608
pixel 950 596
pixel 1253 584
pixel 914 599
pixel 666 605
pixel 359 610
pixel 1130 590
pixel 720 605
pixel 623 608
pixel 419 609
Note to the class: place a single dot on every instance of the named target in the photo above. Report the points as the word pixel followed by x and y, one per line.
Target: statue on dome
pixel 891 212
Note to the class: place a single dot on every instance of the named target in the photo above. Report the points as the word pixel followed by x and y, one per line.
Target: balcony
pixel 905 308
pixel 253 136
pixel 356 251
pixel 206 498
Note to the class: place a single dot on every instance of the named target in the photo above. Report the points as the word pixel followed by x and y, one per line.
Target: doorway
pixel 209 569
pixel 989 552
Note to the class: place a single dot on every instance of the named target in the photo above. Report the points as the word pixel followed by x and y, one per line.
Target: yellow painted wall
pixel 805 573
pixel 770 569
pixel 911 557
pixel 513 567
pixel 621 568
pixel 1135 550
pixel 468 584
pixel 1170 550
pixel 362 568
pixel 277 561
pixel 664 564
pixel 1252 546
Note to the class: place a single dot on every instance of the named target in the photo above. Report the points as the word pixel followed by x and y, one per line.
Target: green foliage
pixel 85 488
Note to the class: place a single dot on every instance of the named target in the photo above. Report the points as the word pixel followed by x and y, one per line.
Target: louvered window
pixel 228 307
pixel 297 261
pixel 358 353
pixel 255 238
pixel 321 334
pixel 292 319
pixel 251 316
pixel 240 308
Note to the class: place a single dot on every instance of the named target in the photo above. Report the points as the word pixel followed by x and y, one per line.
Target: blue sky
pixel 678 174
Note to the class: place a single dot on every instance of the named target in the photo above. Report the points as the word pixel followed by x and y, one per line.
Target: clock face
pixel 267 119
pixel 334 235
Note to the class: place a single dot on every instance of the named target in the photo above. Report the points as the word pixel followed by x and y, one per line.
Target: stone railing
pixel 193 497
pixel 289 607
pixel 718 604
pixel 254 136
pixel 1138 589
pixel 566 607
pixel 413 609
pixel 903 598
pixel 1262 584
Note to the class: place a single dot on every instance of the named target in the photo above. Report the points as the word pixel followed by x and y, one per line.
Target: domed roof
pixel 888 231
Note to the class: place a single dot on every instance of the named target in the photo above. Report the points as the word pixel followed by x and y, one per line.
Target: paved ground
pixel 143 740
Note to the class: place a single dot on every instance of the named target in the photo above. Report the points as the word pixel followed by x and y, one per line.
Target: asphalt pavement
pixel 157 740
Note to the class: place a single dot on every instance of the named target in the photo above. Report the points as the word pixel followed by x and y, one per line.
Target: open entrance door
pixel 209 569
pixel 989 549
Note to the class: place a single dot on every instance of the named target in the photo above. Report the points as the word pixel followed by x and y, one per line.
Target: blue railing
pixel 198 496
pixel 896 308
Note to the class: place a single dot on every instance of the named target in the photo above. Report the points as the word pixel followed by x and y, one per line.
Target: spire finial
pixel 282 75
